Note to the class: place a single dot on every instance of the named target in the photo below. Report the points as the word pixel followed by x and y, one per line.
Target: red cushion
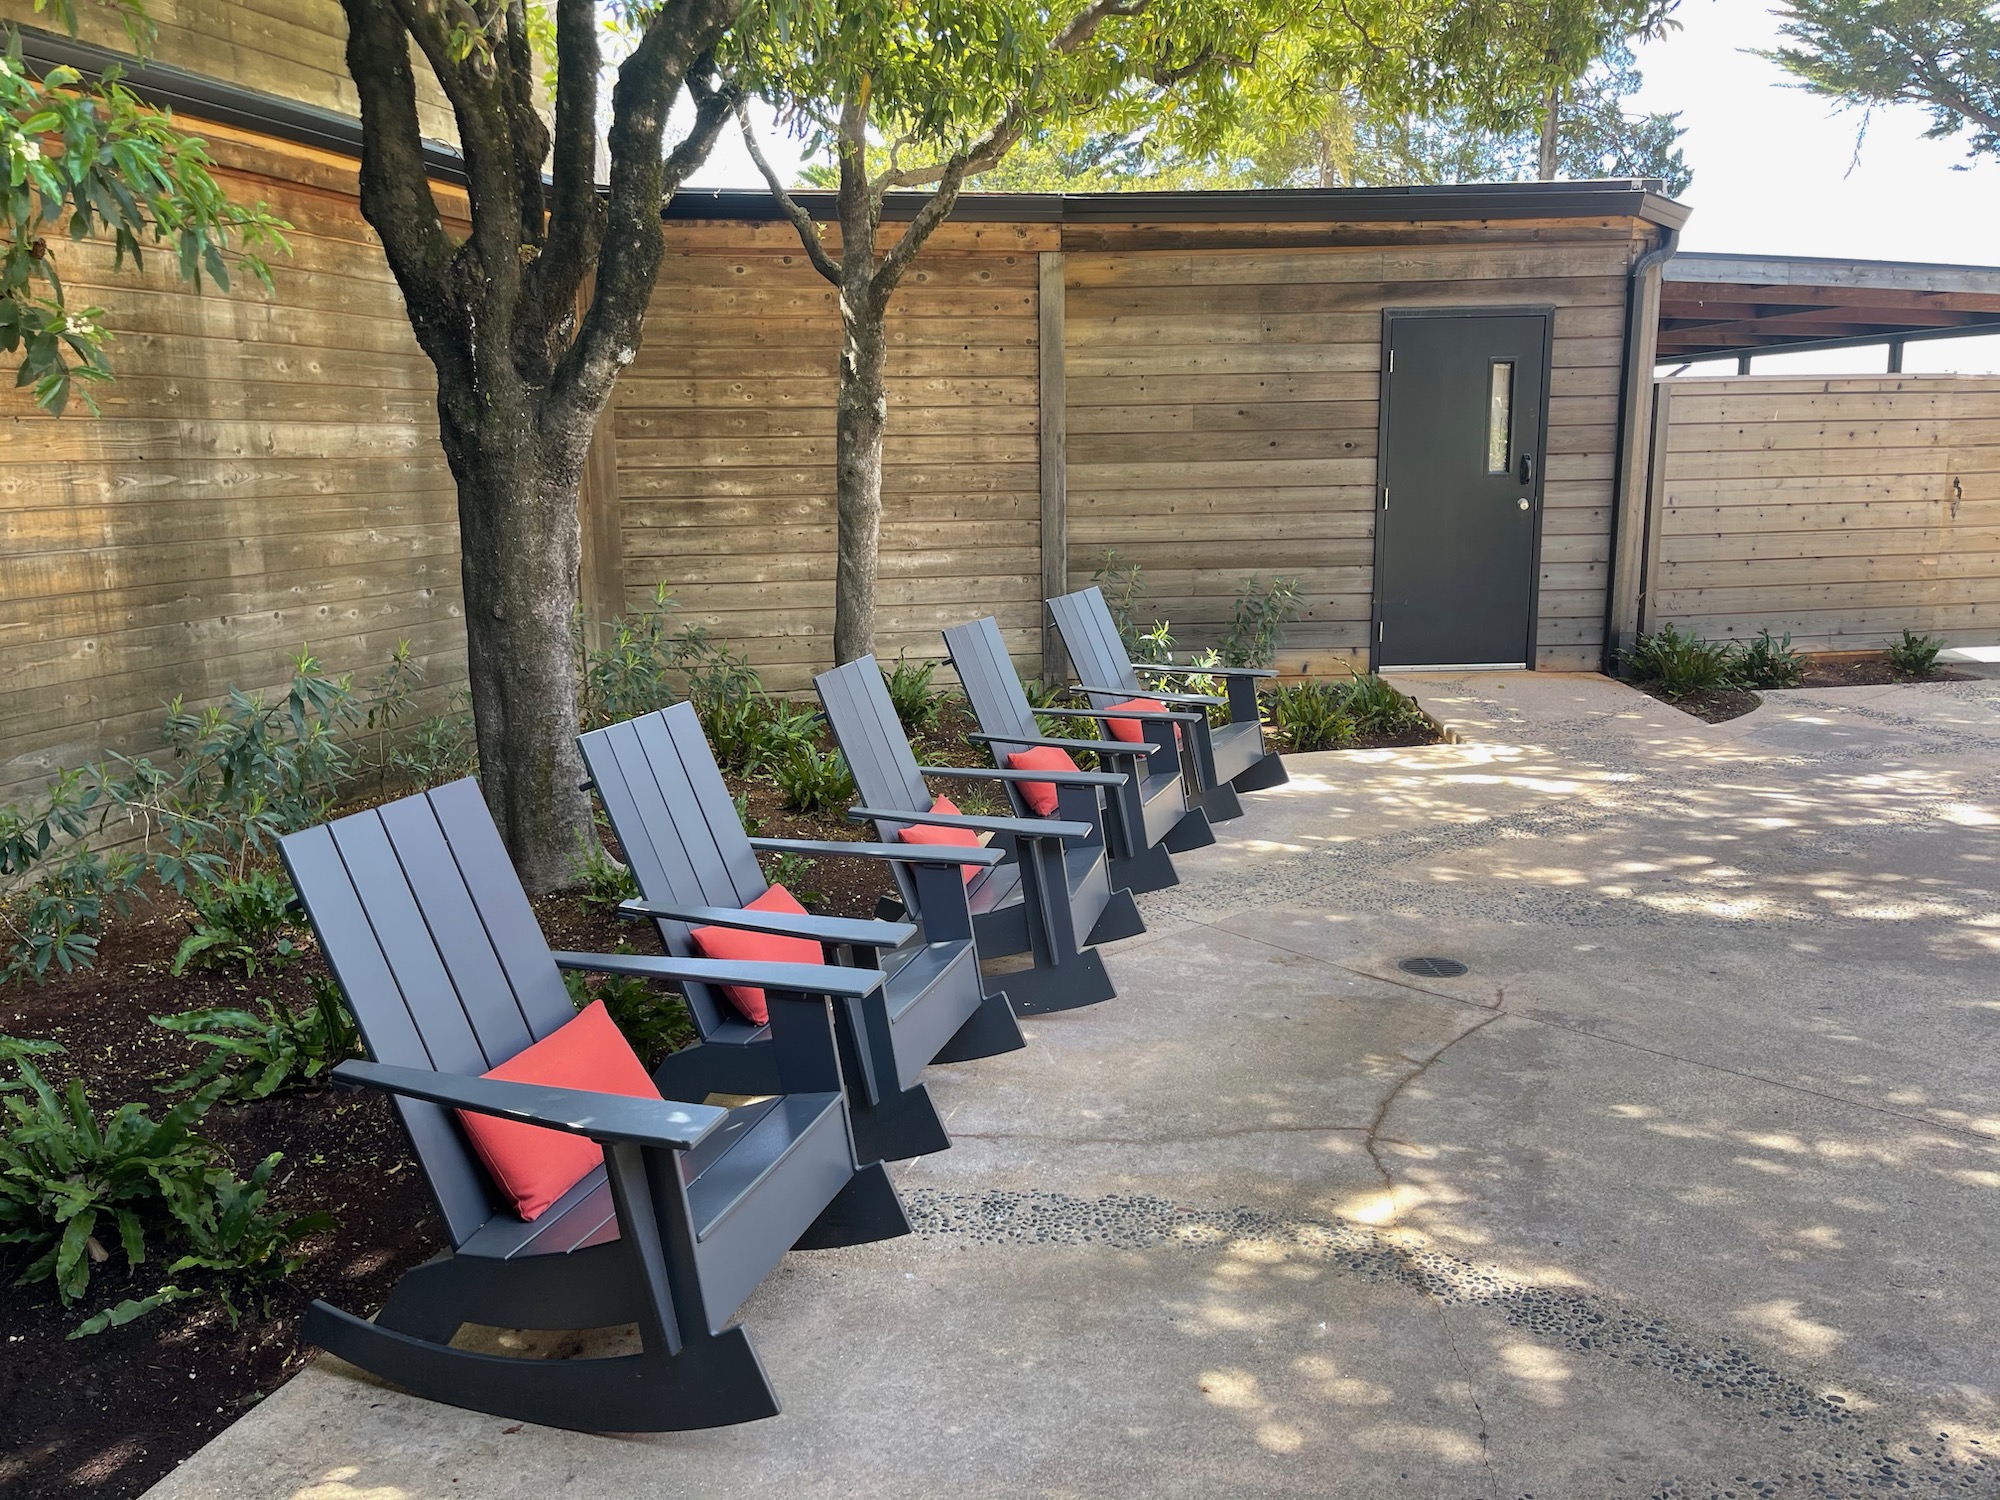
pixel 1040 795
pixel 1132 730
pixel 922 833
pixel 533 1164
pixel 758 947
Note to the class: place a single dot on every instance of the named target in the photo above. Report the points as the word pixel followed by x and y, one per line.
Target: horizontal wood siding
pixel 724 431
pixel 1223 414
pixel 293 49
pixel 1839 511
pixel 265 476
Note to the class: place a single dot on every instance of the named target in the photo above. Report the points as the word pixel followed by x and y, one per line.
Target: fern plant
pixel 1310 715
pixel 1913 655
pixel 918 706
pixel 1768 663
pixel 247 920
pixel 813 780
pixel 223 1221
pixel 275 1049
pixel 1683 663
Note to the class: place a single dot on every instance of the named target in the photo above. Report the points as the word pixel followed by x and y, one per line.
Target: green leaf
pixel 129 1311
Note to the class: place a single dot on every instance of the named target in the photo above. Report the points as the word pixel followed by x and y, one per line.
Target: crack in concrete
pixel 1372 1139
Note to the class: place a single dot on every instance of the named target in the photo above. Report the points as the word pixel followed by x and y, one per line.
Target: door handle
pixel 1527 468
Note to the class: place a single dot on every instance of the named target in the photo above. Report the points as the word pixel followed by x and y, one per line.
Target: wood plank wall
pixel 1223 409
pixel 1839 510
pixel 724 431
pixel 266 475
pixel 293 49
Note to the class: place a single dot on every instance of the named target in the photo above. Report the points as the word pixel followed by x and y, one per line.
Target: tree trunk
pixel 861 415
pixel 520 546
pixel 1551 132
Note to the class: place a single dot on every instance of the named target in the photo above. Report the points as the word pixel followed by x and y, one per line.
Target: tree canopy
pixel 87 159
pixel 1941 55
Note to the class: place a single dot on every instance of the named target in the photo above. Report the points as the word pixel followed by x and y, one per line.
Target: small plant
pixel 813 780
pixel 1153 647
pixel 1262 612
pixel 654 1022
pixel 1914 655
pixel 1768 663
pixel 246 920
pixel 1124 595
pixel 917 705
pixel 602 881
pixel 273 1050
pixel 1377 708
pixel 442 748
pixel 1684 663
pixel 791 871
pixel 779 729
pixel 69 1185
pixel 1310 715
pixel 222 1219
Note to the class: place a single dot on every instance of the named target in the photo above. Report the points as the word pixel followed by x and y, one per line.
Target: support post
pixel 1628 498
pixel 1895 356
pixel 1656 500
pixel 1054 457
pixel 1742 364
pixel 601 584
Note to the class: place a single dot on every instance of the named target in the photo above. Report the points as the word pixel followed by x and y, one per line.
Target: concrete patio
pixel 1686 1188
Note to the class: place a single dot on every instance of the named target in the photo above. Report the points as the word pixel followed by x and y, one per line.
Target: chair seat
pixel 1238 747
pixel 719 1173
pixel 993 889
pixel 910 971
pixel 1164 798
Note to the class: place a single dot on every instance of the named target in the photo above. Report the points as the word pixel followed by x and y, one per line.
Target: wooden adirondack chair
pixel 1227 759
pixel 1051 895
pixel 1146 818
pixel 438 953
pixel 696 866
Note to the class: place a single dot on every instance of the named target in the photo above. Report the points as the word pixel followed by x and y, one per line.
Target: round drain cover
pixel 1432 968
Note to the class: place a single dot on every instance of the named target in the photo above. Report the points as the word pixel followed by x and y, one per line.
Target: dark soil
pixel 107 1416
pixel 1717 706
pixel 1866 671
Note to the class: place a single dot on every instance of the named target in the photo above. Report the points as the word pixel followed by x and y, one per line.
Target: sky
pixel 1775 173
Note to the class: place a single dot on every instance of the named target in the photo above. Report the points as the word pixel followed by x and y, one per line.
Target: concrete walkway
pixel 1687 1188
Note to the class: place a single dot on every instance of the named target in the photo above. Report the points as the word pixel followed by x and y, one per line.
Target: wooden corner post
pixel 601 575
pixel 1055 443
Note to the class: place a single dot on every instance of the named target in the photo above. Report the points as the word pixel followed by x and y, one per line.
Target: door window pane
pixel 1500 418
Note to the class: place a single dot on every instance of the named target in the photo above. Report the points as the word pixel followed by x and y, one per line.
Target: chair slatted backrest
pixel 678 826
pixel 438 953
pixel 1091 637
pixel 864 720
pixel 992 686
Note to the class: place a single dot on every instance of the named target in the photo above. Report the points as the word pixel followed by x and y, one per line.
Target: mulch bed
pixel 109 1415
pixel 1716 707
pixel 1820 672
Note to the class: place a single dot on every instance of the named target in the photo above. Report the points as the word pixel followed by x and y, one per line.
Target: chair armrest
pixel 997 773
pixel 1134 713
pixel 787 924
pixel 1102 747
pixel 1027 828
pixel 805 979
pixel 909 854
pixel 601 1117
pixel 1140 666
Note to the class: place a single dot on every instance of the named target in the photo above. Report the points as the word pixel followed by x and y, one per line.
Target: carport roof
pixel 1736 304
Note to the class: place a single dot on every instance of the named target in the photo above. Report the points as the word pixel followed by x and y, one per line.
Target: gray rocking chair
pixel 1146 818
pixel 438 953
pixel 1051 895
pixel 1228 758
pixel 695 866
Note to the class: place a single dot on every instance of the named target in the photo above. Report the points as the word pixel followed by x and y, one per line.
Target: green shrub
pixel 441 748
pixel 1310 715
pixel 222 1221
pixel 918 706
pixel 813 780
pixel 653 1021
pixel 1262 612
pixel 246 920
pixel 602 881
pixel 1124 595
pixel 1377 708
pixel 792 871
pixel 1683 664
pixel 650 661
pixel 1914 655
pixel 273 1050
pixel 1766 663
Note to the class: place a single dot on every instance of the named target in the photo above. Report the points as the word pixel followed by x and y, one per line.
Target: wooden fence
pixel 1840 511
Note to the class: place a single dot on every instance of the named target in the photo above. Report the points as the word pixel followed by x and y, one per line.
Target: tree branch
pixel 809 235
pixel 714 103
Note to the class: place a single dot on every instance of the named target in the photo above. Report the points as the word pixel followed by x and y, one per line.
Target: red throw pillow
pixel 759 948
pixel 922 833
pixel 533 1164
pixel 1132 730
pixel 1041 795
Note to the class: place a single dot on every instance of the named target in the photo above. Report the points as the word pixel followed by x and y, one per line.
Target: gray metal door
pixel 1458 514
